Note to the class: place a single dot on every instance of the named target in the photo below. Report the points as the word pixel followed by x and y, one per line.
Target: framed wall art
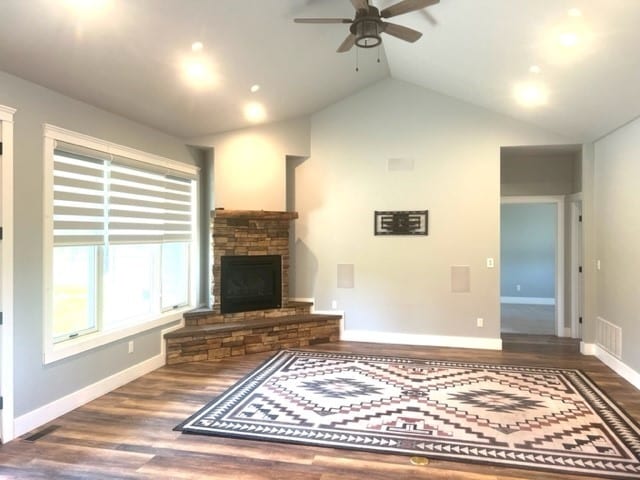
pixel 414 222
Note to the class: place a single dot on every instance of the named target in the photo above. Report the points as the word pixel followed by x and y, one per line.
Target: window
pixel 120 252
pixel 74 291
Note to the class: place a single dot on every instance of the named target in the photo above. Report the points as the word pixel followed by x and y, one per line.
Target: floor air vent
pixel 609 337
pixel 42 433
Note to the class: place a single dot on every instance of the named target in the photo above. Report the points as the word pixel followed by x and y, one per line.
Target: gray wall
pixel 402 284
pixel 539 174
pixel 617 235
pixel 527 249
pixel 35 384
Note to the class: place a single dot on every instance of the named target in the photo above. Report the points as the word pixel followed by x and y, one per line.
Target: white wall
pixel 250 164
pixel 617 230
pixel 402 284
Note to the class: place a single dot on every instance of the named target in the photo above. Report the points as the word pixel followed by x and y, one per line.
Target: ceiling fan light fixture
pixel 367 33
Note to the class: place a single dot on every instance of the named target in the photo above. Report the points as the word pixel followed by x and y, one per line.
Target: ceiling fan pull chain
pixel 357 61
pixel 378 53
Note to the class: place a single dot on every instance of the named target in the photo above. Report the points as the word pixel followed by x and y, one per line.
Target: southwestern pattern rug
pixel 537 418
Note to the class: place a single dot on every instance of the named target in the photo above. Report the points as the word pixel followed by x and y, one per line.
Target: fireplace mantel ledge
pixel 253 214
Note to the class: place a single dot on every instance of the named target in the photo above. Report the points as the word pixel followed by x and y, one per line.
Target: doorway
pixel 532 265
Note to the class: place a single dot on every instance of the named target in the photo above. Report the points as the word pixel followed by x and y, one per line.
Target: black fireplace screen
pixel 250 282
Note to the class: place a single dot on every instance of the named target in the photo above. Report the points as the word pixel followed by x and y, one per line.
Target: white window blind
pixel 100 198
pixel 79 187
pixel 145 206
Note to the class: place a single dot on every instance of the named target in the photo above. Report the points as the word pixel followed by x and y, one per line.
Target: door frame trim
pixel 577 260
pixel 6 249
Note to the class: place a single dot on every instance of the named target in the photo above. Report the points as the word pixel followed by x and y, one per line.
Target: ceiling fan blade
pixel 403 33
pixel 348 44
pixel 323 20
pixel 360 4
pixel 406 6
pixel 430 18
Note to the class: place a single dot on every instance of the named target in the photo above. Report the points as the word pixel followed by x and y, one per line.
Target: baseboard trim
pixel 422 340
pixel 587 348
pixel 615 364
pixel 29 421
pixel 528 300
pixel 618 366
pixel 38 417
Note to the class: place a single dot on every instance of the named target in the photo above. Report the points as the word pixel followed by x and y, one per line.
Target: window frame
pixel 53 349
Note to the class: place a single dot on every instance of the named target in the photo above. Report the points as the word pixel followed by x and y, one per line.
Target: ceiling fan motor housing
pixel 367 28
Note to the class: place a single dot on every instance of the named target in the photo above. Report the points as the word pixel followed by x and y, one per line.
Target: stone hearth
pixel 210 335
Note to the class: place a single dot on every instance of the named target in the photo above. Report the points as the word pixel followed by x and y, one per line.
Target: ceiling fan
pixel 367 25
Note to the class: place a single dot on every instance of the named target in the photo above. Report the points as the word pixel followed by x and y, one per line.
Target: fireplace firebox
pixel 250 282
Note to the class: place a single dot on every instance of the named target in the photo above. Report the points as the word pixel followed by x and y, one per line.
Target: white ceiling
pixel 128 61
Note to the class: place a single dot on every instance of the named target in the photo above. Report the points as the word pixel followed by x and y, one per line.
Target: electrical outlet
pixel 517 288
pixel 130 346
pixel 490 262
pixel 480 322
pixel 334 304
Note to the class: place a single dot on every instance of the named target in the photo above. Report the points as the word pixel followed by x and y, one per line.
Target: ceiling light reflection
pixel 87 8
pixel 255 112
pixel 198 73
pixel 531 95
pixel 568 39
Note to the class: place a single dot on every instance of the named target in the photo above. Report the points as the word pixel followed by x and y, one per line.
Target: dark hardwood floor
pixel 128 433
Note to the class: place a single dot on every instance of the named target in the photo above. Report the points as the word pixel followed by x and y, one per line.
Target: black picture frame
pixel 401 222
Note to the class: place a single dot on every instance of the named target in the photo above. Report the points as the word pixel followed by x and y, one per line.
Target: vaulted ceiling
pixel 130 58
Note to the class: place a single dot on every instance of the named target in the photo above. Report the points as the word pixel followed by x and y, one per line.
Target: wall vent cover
pixel 609 337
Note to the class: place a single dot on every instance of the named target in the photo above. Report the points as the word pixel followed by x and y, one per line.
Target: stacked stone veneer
pixel 211 335
pixel 252 335
pixel 249 232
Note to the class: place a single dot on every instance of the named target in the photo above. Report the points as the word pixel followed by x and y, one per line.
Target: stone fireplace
pixel 261 317
pixel 241 283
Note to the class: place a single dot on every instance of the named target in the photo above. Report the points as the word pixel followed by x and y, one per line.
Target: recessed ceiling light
pixel 196 46
pixel 568 39
pixel 531 94
pixel 255 112
pixel 198 73
pixel 255 88
pixel 87 8
pixel 535 69
pixel 574 12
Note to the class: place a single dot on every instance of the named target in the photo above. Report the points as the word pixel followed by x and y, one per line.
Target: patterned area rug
pixel 537 418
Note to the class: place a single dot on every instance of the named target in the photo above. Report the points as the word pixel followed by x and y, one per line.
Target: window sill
pixel 54 352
